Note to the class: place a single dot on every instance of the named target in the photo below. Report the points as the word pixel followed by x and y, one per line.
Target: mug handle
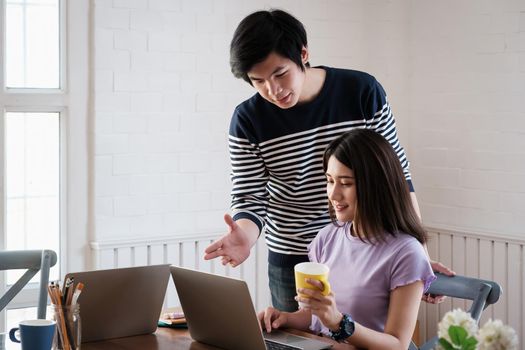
pixel 12 335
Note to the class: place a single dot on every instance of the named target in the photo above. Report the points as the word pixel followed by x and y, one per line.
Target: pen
pixel 77 292
pixel 68 284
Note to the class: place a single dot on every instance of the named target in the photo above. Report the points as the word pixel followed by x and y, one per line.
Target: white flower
pixel 457 317
pixel 494 335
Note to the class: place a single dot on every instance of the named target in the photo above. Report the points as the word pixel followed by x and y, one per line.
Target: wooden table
pixel 175 339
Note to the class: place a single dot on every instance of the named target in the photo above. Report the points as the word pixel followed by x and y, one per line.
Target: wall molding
pixel 166 239
pixel 473 233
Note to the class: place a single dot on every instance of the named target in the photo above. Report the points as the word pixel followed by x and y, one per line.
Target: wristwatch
pixel 346 328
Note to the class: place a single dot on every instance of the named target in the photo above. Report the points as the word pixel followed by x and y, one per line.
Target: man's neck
pixel 313 83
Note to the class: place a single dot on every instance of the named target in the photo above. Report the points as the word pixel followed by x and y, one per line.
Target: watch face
pixel 349 326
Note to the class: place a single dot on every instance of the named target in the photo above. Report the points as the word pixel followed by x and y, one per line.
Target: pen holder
pixel 69 330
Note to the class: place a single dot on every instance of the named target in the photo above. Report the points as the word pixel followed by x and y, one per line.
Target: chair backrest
pixel 33 261
pixel 482 293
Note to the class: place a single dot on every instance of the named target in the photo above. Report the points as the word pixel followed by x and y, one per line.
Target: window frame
pixel 62 101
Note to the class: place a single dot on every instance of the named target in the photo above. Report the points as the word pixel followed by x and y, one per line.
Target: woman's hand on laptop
pixel 323 306
pixel 272 318
pixel 234 247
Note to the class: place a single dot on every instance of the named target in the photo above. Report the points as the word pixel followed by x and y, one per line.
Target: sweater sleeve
pixel 249 174
pixel 379 117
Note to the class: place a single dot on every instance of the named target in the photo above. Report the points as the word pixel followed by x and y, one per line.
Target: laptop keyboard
pixel 271 345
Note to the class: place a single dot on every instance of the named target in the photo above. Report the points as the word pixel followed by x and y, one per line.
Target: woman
pixel 378 266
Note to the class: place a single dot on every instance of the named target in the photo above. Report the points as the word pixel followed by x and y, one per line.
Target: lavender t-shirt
pixel 362 275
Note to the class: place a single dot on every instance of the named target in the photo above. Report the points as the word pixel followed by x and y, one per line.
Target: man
pixel 276 142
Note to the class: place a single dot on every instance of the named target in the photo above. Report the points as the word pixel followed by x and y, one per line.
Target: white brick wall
pixel 466 124
pixel 164 95
pixel 160 124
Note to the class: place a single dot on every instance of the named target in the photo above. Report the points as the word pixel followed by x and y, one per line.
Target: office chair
pixel 482 293
pixel 33 261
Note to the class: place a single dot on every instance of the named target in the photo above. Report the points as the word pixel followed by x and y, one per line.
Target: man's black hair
pixel 261 33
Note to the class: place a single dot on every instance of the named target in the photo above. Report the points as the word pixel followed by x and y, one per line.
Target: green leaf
pixel 470 344
pixel 457 334
pixel 445 344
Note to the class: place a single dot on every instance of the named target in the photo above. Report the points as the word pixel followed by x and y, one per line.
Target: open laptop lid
pixel 220 312
pixel 121 302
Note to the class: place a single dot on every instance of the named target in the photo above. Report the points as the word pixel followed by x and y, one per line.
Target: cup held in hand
pixel 313 270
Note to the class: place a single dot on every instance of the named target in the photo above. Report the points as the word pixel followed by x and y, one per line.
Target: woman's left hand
pixel 324 307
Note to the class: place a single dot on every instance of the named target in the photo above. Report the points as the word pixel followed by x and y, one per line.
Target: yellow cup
pixel 311 270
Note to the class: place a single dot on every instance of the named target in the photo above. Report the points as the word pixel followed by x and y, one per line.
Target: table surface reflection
pixel 176 339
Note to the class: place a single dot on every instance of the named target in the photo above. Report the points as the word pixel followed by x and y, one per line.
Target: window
pixel 32 172
pixel 32 50
pixel 33 112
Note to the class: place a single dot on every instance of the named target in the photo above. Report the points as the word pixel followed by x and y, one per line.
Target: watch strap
pixel 346 328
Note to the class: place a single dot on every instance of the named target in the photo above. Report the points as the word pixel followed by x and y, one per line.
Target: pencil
pixel 55 297
pixel 65 340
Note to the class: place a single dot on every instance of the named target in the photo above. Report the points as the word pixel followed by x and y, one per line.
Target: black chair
pixel 33 261
pixel 482 293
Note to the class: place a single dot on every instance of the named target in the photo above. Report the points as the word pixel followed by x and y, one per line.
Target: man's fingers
pixel 433 299
pixel 212 248
pixel 230 222
pixel 439 267
pixel 225 260
pixel 438 299
pixel 213 255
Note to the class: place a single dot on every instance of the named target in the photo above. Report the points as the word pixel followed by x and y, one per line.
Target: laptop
pixel 121 302
pixel 219 312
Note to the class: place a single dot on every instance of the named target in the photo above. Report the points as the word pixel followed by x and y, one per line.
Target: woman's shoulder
pixel 332 229
pixel 329 233
pixel 326 239
pixel 405 244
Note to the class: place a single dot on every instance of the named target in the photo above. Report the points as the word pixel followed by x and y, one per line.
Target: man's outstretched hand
pixel 234 247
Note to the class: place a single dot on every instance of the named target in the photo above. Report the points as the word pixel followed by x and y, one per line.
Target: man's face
pixel 278 80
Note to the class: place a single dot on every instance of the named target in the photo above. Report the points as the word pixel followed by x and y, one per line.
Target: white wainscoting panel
pixel 186 251
pixel 482 255
pixel 491 257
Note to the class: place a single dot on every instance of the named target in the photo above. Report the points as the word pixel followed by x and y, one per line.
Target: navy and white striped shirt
pixel 276 156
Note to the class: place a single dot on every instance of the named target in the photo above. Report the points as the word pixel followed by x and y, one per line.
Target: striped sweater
pixel 276 157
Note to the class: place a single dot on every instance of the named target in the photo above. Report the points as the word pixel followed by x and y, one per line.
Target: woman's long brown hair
pixel 384 205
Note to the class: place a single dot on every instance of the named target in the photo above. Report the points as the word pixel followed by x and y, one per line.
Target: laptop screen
pixel 220 312
pixel 121 302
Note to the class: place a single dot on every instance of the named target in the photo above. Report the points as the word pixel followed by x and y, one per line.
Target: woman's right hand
pixel 272 318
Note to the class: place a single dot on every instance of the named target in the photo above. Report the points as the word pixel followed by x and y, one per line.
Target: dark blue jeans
pixel 282 287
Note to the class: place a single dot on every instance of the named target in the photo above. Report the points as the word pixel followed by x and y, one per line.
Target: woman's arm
pixel 399 327
pixel 400 324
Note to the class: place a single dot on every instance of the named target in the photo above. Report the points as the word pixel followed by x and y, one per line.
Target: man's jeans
pixel 282 287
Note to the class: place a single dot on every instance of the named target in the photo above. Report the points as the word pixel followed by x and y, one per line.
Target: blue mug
pixel 34 334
